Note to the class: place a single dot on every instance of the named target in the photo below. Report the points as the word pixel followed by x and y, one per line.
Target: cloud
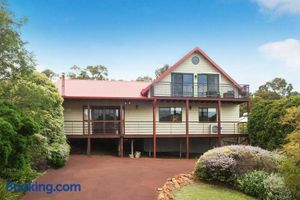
pixel 286 52
pixel 280 6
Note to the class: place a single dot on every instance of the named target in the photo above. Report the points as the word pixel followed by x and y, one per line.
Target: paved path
pixel 112 178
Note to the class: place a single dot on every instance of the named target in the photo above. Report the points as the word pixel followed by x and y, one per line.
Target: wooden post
pixel 248 107
pixel 219 122
pixel 187 128
pixel 121 130
pixel 154 127
pixel 88 148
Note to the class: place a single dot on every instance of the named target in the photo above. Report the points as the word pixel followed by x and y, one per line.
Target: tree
pixel 50 74
pixel 290 167
pixel 14 58
pixel 161 70
pixel 144 78
pixel 275 89
pixel 16 130
pixel 97 72
pixel 38 97
pixel 264 123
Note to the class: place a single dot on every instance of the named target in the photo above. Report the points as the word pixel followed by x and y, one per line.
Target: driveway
pixel 108 177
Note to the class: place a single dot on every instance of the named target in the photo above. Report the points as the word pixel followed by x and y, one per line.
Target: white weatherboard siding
pixel 163 88
pixel 138 119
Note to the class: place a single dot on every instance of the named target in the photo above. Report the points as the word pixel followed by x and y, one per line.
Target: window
pixel 208 85
pixel 182 84
pixel 207 114
pixel 195 60
pixel 173 114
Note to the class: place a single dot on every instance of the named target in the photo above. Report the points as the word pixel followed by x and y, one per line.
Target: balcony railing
pixel 92 127
pixel 146 127
pixel 171 89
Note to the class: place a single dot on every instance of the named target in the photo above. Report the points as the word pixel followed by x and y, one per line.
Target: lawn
pixel 205 191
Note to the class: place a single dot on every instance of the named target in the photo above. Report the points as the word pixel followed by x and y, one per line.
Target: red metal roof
pixel 201 52
pixel 98 89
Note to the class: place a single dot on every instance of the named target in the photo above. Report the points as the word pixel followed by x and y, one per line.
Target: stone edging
pixel 166 192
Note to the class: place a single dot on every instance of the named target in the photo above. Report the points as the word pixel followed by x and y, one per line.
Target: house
pixel 189 109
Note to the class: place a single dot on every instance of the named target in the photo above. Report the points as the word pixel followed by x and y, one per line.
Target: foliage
pixel 224 164
pixel 265 128
pixel 6 195
pixel 16 130
pixel 14 58
pixel 252 183
pixel 290 167
pixel 38 97
pixel 161 70
pixel 50 74
pixel 39 152
pixel 275 89
pixel 144 78
pixel 204 191
pixel 59 154
pixel 275 189
pixel 97 72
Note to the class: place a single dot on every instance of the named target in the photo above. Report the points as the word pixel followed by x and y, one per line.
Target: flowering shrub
pixel 224 164
pixel 275 189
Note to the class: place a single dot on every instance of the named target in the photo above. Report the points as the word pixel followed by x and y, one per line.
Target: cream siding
pixel 163 88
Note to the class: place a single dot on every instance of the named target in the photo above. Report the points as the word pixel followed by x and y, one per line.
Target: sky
pixel 252 40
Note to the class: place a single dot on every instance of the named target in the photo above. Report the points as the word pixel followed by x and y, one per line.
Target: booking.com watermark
pixel 41 187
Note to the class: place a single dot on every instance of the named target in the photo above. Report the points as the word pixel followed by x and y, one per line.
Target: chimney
pixel 63 84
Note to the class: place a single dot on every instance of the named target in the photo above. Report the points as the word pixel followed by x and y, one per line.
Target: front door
pixel 105 120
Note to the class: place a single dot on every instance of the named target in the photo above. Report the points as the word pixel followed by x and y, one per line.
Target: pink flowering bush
pixel 226 163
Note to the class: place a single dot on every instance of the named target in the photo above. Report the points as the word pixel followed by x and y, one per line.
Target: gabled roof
pixel 201 52
pixel 98 89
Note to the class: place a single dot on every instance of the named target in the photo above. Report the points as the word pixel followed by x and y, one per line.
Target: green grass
pixel 204 191
pixel 5 195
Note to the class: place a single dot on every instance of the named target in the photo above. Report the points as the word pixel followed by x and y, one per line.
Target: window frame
pixel 170 114
pixel 207 114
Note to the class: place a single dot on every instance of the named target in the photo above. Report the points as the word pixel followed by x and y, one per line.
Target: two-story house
pixel 190 108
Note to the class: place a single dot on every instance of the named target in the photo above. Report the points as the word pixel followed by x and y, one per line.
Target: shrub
pixel 224 164
pixel 275 189
pixel 16 131
pixel 264 125
pixel 6 195
pixel 39 152
pixel 38 97
pixel 59 154
pixel 252 183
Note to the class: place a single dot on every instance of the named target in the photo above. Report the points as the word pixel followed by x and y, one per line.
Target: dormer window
pixel 195 60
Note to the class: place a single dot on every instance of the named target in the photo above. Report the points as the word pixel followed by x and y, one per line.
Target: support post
pixel 122 130
pixel 248 107
pixel 219 122
pixel 89 119
pixel 154 127
pixel 88 148
pixel 187 128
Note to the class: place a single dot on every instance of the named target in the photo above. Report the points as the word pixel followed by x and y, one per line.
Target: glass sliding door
pixel 208 85
pixel 105 120
pixel 182 85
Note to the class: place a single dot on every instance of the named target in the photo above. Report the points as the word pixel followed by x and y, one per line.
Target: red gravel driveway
pixel 112 178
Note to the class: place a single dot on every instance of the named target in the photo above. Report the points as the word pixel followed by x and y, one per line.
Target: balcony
pixel 171 89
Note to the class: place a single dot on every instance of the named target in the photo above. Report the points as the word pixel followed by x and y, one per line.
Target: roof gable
pixel 195 50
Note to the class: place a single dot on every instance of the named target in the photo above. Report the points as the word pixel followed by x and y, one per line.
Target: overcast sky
pixel 252 40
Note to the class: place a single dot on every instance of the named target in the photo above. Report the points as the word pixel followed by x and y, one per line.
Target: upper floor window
pixel 182 84
pixel 208 85
pixel 207 114
pixel 170 114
